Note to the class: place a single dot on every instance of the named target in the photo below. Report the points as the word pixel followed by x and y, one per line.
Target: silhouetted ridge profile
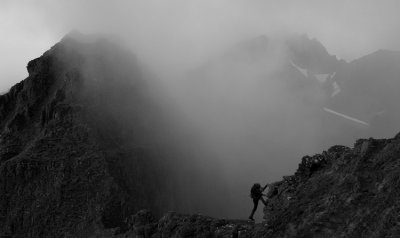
pixel 312 55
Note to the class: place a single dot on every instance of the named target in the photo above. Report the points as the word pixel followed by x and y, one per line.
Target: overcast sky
pixel 182 31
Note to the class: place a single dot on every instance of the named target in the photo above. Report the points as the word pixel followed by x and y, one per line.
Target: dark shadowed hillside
pixel 342 192
pixel 86 140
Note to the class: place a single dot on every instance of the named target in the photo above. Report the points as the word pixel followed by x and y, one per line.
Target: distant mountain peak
pixel 312 55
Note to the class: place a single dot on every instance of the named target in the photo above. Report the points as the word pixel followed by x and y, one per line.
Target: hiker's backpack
pixel 255 191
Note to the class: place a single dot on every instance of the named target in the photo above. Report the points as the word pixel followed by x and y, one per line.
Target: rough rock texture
pixel 342 192
pixel 78 138
pixel 173 224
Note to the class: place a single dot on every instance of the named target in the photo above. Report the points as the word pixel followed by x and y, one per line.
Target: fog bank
pixel 182 33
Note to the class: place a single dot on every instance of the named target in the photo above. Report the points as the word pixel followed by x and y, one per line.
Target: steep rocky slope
pixel 85 141
pixel 69 164
pixel 342 192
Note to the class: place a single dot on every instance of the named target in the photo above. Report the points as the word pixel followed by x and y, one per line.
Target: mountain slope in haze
pixel 87 140
pixel 257 98
pixel 267 78
pixel 70 164
pixel 266 93
pixel 301 68
pixel 370 91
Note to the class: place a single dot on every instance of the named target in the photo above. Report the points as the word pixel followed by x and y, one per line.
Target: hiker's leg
pixel 255 202
pixel 264 201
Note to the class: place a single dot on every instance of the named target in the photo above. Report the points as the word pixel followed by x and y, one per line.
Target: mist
pixel 252 122
pixel 178 33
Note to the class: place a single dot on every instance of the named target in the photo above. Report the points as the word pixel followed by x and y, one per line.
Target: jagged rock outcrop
pixel 310 54
pixel 174 224
pixel 342 192
pixel 80 146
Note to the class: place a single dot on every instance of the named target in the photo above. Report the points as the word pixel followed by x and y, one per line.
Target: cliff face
pixel 341 192
pixel 79 147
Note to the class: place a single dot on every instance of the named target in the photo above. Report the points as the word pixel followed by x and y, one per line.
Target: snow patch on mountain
pixel 336 89
pixel 346 116
pixel 322 77
pixel 301 70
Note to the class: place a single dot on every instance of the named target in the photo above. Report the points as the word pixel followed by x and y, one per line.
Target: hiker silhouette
pixel 256 193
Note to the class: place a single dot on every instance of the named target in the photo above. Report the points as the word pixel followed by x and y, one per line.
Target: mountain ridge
pixel 85 145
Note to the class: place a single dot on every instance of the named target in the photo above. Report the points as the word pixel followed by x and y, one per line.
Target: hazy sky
pixel 184 32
